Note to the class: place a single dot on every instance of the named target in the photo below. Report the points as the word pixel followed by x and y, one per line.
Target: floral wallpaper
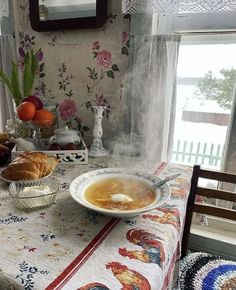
pixel 80 68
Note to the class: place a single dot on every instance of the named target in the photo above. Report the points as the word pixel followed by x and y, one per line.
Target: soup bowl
pixel 82 183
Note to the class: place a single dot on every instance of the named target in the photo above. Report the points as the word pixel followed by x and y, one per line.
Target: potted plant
pixel 22 85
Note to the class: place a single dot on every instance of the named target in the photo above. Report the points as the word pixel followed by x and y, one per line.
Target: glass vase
pixel 15 127
pixel 97 149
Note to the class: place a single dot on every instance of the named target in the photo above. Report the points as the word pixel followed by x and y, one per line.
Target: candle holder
pixel 97 149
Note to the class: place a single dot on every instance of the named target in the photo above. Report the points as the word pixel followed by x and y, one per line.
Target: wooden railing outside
pixel 208 154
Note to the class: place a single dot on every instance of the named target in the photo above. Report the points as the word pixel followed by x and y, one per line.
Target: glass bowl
pixel 25 182
pixel 31 195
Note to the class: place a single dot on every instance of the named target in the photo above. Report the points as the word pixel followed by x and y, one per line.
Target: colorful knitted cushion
pixel 201 271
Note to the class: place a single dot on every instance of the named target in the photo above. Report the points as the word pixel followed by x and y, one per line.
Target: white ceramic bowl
pixel 81 183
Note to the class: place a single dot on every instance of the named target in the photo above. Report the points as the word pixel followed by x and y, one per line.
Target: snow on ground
pixel 203 133
pixel 200 132
pixel 197 132
pixel 209 106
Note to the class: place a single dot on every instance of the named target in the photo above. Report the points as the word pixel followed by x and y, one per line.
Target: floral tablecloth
pixel 68 247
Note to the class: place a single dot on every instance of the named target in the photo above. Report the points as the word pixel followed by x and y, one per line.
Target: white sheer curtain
pixel 153 94
pixel 4 13
pixel 151 84
pixel 4 8
pixel 179 6
pixel 7 53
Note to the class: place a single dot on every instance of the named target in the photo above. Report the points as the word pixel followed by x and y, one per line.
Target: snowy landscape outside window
pixel 206 79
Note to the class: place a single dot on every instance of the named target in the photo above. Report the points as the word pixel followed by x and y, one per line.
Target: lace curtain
pixel 178 6
pixel 152 95
pixel 7 53
pixel 4 8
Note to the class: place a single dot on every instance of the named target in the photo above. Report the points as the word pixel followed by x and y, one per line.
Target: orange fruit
pixel 26 111
pixel 43 117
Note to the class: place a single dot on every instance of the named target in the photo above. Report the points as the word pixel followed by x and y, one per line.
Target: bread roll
pixel 29 166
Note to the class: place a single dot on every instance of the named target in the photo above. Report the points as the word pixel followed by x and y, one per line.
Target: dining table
pixel 67 246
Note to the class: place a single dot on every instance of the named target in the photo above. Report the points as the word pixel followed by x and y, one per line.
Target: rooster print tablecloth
pixel 68 247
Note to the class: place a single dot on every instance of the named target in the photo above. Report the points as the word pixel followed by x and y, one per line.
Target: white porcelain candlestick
pixel 97 149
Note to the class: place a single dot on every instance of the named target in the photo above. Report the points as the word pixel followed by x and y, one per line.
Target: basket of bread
pixel 30 166
pixel 31 186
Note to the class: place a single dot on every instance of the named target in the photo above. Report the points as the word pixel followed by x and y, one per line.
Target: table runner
pixel 68 247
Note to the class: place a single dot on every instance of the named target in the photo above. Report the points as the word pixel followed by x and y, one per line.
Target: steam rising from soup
pixel 120 194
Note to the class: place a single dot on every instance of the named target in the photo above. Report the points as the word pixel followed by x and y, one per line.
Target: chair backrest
pixel 208 209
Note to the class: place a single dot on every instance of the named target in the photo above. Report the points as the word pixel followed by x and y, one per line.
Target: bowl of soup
pixel 118 192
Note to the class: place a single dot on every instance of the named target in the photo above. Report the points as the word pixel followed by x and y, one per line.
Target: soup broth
pixel 120 194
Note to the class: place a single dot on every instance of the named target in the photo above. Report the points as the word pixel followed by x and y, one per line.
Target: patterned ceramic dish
pixel 29 196
pixel 80 184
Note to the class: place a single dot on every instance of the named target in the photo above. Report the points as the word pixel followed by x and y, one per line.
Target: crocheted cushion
pixel 201 271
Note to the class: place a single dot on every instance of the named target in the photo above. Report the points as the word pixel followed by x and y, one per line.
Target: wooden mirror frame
pixel 70 23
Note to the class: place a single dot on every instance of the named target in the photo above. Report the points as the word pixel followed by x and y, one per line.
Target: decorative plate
pixel 81 183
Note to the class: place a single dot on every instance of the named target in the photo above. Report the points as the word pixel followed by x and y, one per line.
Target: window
pixel 206 80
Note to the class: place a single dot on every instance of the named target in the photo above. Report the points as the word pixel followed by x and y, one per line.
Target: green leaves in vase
pixel 21 86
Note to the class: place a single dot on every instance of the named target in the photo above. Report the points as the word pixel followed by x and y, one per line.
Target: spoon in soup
pixel 120 197
pixel 163 181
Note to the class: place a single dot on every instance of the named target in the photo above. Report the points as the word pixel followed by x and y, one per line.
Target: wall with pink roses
pixel 80 68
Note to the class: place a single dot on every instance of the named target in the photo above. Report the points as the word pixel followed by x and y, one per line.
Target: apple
pixel 5 153
pixel 54 147
pixel 35 100
pixel 9 144
pixel 80 146
pixel 70 146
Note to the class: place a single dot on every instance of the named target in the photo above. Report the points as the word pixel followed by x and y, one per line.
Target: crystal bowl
pixel 30 195
pixel 25 182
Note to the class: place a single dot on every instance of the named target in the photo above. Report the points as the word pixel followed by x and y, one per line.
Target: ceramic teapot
pixel 65 136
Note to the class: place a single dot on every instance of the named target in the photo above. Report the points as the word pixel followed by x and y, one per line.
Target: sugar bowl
pixel 65 136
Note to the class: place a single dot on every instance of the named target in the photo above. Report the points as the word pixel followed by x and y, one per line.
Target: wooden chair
pixel 208 209
pixel 201 270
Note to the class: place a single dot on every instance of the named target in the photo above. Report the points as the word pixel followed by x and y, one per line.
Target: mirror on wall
pixel 48 15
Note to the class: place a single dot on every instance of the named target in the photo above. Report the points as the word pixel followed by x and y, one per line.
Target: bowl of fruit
pixel 35 116
pixel 31 109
